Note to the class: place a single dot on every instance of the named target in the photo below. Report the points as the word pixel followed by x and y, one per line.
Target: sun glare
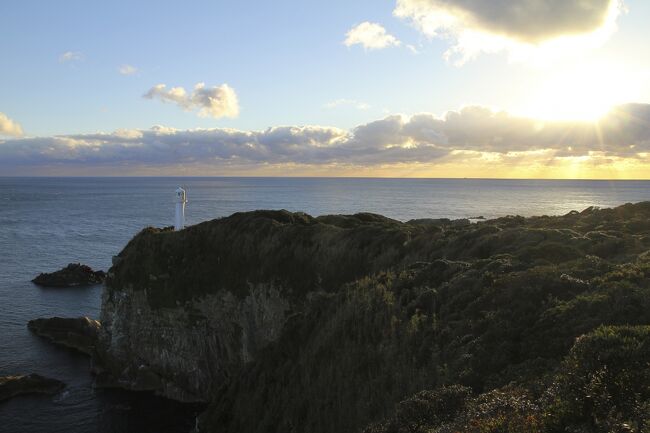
pixel 585 93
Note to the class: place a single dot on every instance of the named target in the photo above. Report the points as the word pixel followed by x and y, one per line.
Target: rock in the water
pixel 11 386
pixel 73 275
pixel 76 333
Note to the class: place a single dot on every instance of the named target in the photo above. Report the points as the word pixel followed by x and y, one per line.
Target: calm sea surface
pixel 46 223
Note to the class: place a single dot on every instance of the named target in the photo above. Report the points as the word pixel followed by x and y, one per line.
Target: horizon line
pixel 315 177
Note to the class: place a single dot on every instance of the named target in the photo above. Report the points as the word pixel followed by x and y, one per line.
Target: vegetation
pixel 508 325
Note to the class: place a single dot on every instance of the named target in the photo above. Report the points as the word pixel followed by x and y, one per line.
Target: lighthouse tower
pixel 181 199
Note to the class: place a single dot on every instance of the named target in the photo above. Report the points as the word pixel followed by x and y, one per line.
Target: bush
pixel 604 384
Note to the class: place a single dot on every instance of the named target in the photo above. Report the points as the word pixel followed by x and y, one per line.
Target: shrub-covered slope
pixel 514 324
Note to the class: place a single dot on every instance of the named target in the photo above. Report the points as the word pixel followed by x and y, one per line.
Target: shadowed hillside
pixel 289 323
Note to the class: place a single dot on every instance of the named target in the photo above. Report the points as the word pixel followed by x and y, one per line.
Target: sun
pixel 586 93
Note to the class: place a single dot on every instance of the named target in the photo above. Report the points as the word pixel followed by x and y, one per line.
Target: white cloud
pixel 128 134
pixel 371 36
pixel 359 105
pixel 528 29
pixel 218 101
pixel 70 56
pixel 127 70
pixel 465 135
pixel 9 127
pixel 412 49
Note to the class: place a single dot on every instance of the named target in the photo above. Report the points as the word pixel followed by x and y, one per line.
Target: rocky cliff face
pixel 288 323
pixel 185 352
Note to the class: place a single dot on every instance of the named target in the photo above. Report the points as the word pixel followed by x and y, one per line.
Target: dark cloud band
pixel 422 138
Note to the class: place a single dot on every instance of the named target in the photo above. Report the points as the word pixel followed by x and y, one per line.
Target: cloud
pixel 218 101
pixel 128 134
pixel 70 56
pixel 359 105
pixel 371 36
pixel 525 28
pixel 412 49
pixel 9 127
pixel 471 137
pixel 127 70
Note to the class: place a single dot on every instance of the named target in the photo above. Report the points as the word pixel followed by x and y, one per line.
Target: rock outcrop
pixel 183 311
pixel 285 322
pixel 73 275
pixel 11 386
pixel 80 334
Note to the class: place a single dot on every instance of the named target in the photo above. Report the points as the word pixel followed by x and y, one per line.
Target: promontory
pixel 283 322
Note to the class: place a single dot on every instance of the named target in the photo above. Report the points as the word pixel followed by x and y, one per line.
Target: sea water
pixel 46 223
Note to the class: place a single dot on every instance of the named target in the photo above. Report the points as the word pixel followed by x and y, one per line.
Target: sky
pixel 394 88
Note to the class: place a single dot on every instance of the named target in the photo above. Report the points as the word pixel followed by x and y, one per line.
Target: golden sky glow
pixel 584 91
pixel 406 88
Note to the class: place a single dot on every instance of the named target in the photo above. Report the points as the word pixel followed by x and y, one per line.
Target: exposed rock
pixel 11 386
pixel 73 275
pixel 76 333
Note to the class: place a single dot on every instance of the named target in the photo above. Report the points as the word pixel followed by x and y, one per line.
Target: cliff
pixel 285 322
pixel 182 311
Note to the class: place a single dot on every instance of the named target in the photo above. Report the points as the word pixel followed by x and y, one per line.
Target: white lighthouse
pixel 181 199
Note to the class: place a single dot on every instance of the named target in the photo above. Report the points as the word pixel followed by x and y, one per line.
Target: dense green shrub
pixel 425 411
pixel 604 383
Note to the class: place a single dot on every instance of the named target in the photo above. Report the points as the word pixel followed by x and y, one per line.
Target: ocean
pixel 46 223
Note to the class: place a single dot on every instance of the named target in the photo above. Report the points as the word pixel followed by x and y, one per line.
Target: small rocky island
pixel 11 386
pixel 282 322
pixel 75 333
pixel 73 275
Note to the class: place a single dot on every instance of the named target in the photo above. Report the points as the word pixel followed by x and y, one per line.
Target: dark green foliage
pixel 498 411
pixel 425 410
pixel 293 251
pixel 604 384
pixel 510 325
pixel 392 335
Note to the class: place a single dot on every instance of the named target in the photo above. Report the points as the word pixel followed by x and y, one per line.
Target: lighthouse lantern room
pixel 181 199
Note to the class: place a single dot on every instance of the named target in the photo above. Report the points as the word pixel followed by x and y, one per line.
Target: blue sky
pixel 287 63
pixel 285 60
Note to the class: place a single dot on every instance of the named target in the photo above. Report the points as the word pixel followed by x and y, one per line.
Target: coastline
pixel 99 223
